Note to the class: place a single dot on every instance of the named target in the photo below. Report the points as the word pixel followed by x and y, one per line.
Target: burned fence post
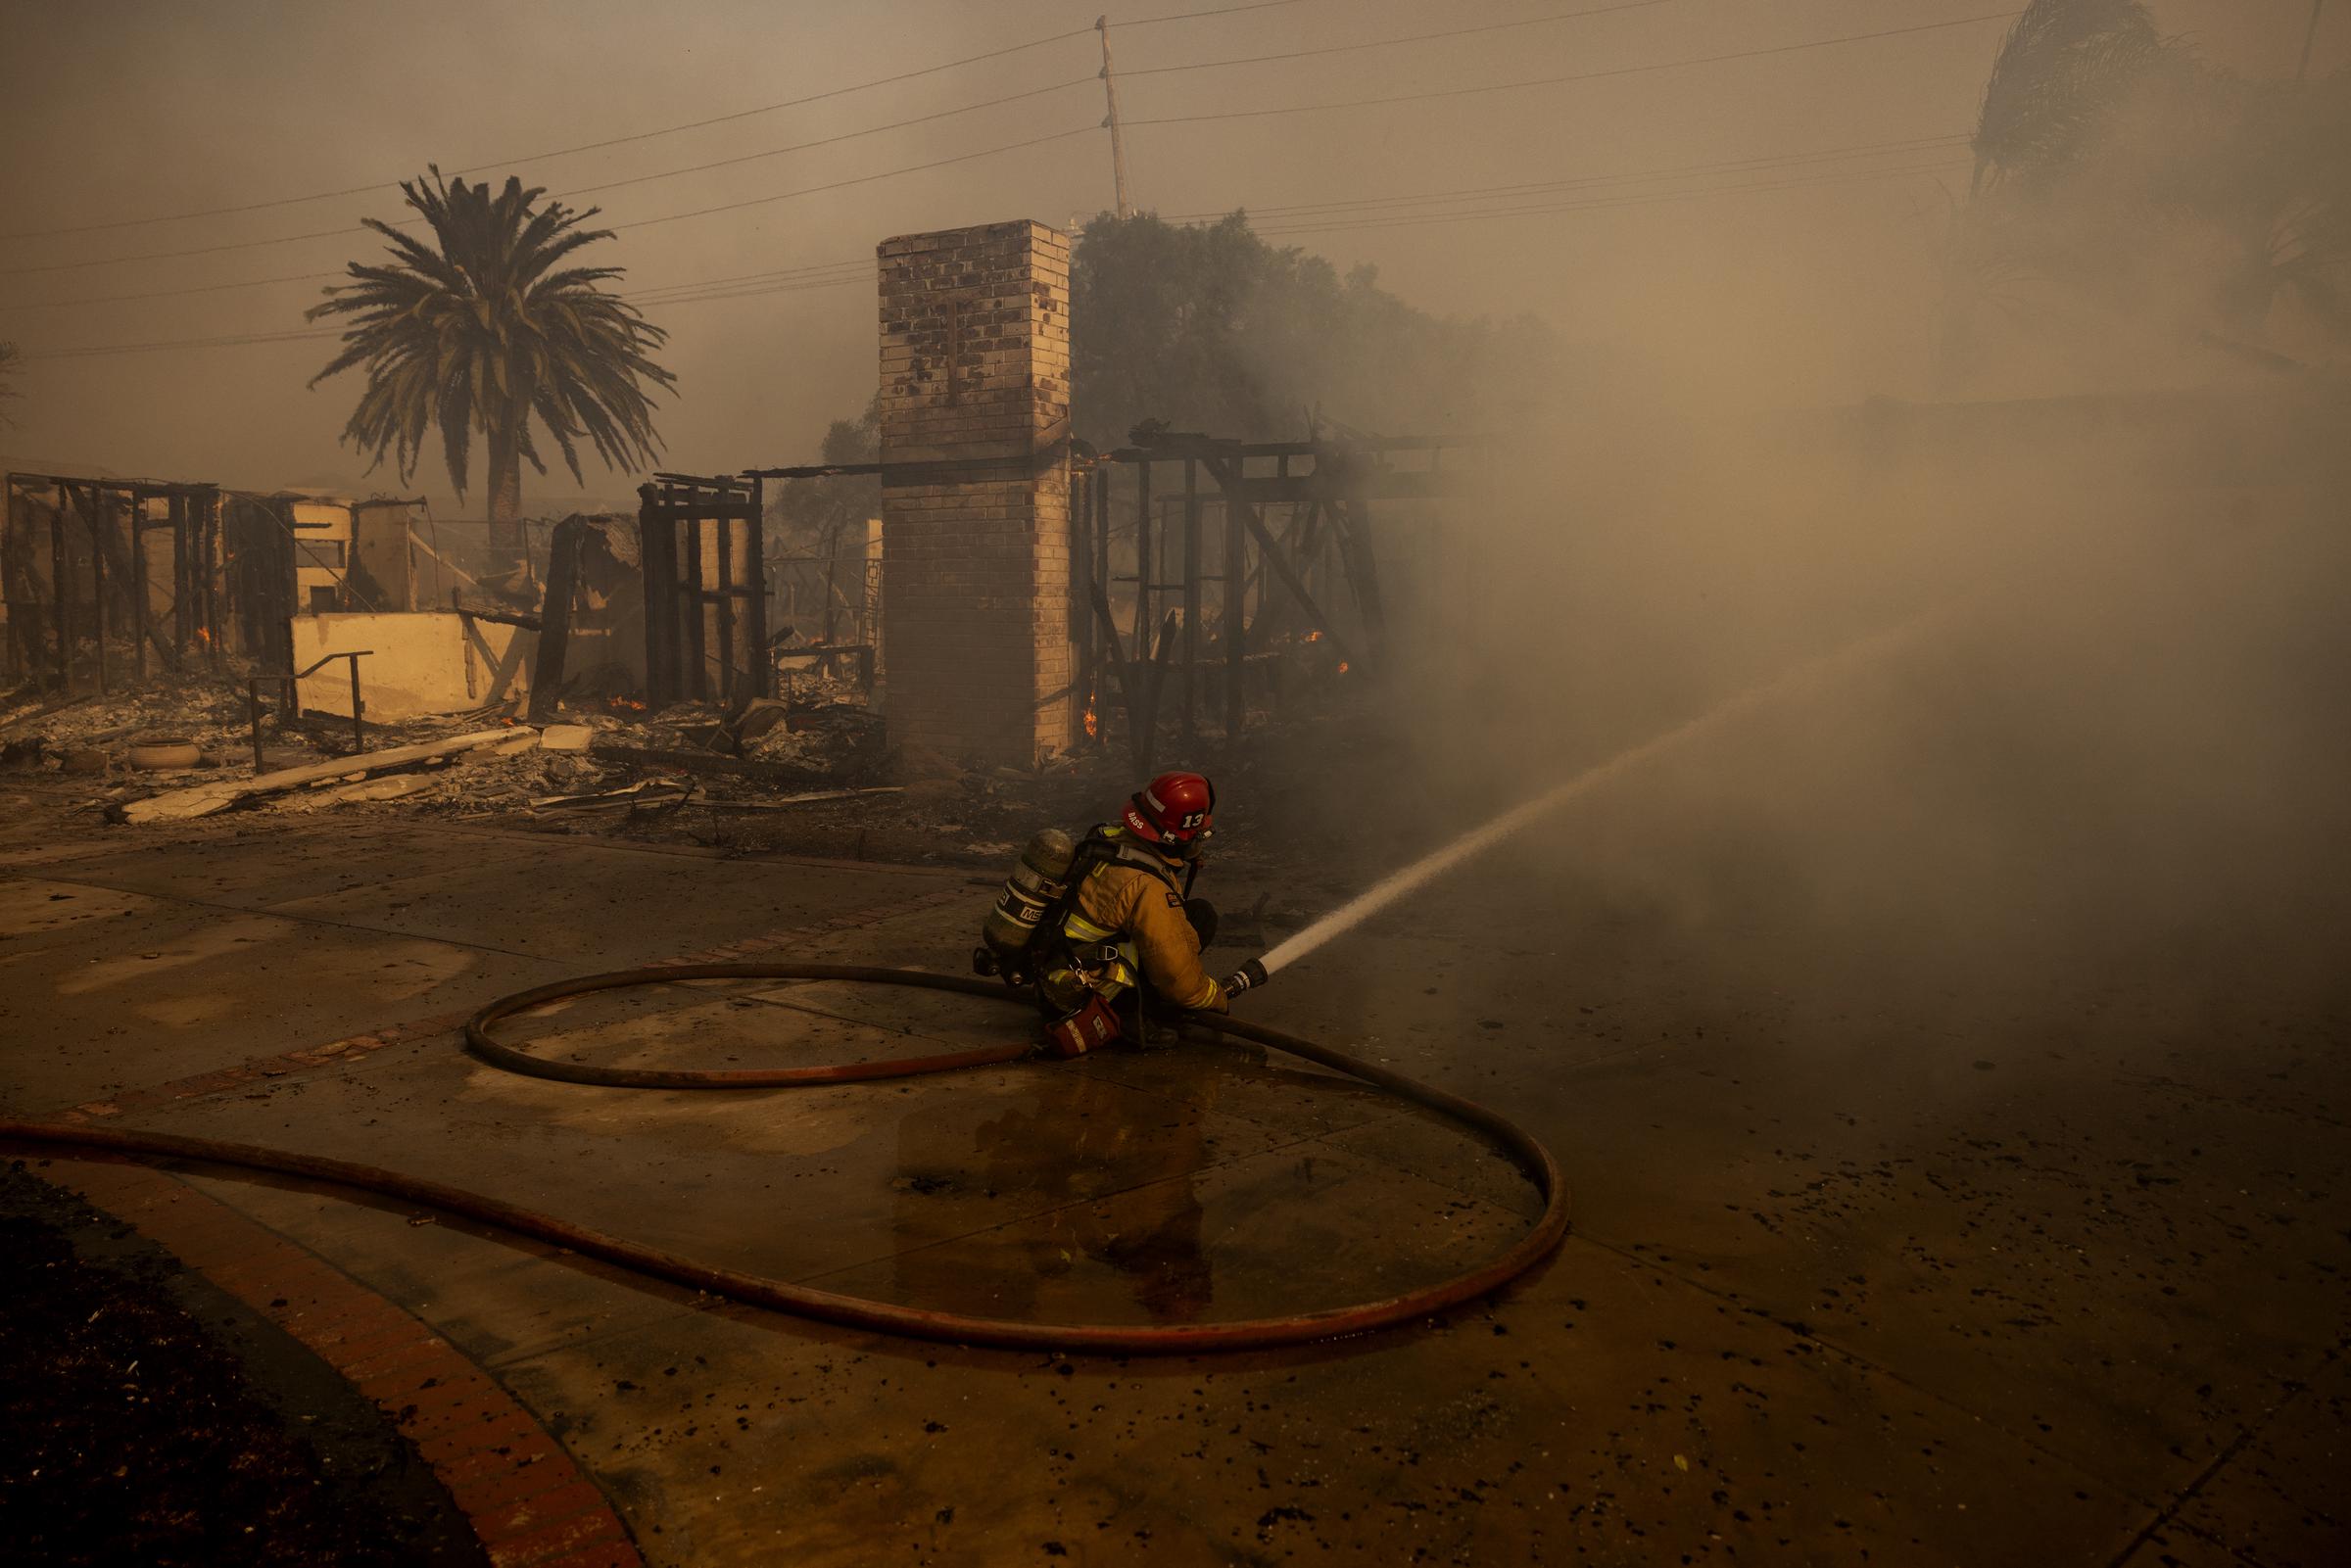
pixel 656 555
pixel 1102 533
pixel 138 590
pixel 1363 567
pixel 16 576
pixel 359 736
pixel 1130 693
pixel 1083 570
pixel 763 664
pixel 209 556
pixel 1191 601
pixel 1237 613
pixel 61 594
pixel 98 592
pixel 1149 728
pixel 177 511
pixel 253 696
pixel 723 607
pixel 554 617
pixel 695 601
pixel 12 582
pixel 1145 561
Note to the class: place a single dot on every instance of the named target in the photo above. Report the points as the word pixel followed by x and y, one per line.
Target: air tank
pixel 1036 882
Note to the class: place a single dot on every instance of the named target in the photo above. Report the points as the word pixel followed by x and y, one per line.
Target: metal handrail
pixel 253 693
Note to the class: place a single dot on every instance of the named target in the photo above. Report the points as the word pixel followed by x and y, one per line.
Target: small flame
pixel 625 702
pixel 1342 666
pixel 1314 636
pixel 1092 721
pixel 204 636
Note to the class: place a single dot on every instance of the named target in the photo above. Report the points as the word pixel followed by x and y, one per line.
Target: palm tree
pixel 483 329
pixel 2063 73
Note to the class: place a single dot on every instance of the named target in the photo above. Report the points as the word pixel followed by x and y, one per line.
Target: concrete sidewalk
pixel 1854 1274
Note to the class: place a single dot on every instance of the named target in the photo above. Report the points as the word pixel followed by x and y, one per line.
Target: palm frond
pixel 2063 70
pixel 481 331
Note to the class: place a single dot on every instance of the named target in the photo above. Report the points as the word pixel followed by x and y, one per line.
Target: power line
pixel 301 278
pixel 1455 92
pixel 654 293
pixel 1630 176
pixel 1308 224
pixel 1195 15
pixel 287 239
pixel 637 136
pixel 820 274
pixel 858 268
pixel 1418 37
pixel 198 250
pixel 825 141
pixel 167 294
pixel 1634 175
pixel 532 157
pixel 236 340
pixel 1341 223
pixel 860 272
pixel 863 263
pixel 325 334
pixel 215 288
pixel 859 280
pixel 749 286
pixel 862 180
pixel 854 270
pixel 1581 76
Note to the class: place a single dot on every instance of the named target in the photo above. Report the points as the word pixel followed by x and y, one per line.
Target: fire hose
pixel 852 1312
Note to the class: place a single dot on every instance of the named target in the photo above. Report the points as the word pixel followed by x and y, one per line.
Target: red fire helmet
pixel 1173 810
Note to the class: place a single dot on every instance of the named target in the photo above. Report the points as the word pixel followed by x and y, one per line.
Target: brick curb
pixel 311 1058
pixel 525 1500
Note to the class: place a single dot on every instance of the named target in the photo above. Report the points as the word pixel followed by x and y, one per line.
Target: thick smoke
pixel 2120 746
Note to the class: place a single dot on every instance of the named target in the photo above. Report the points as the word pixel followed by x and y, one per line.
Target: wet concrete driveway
pixel 1864 1268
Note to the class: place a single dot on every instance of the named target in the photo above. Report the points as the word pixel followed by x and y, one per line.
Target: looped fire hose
pixel 1158 1339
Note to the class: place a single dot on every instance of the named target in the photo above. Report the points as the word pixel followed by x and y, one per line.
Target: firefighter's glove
pixel 1247 978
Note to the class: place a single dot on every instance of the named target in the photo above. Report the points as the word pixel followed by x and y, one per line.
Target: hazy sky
pixel 133 111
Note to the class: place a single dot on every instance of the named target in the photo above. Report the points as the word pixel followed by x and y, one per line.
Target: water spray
pixel 1475 843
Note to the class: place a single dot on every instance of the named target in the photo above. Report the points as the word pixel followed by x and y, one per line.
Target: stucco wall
pixel 417 664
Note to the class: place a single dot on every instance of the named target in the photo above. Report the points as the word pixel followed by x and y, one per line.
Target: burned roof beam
pixel 815 471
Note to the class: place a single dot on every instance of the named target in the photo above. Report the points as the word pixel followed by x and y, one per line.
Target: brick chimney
pixel 974 490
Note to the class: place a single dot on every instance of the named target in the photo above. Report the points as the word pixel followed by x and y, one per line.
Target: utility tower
pixel 1110 95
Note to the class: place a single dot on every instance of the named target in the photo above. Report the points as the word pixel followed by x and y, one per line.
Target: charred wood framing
pixel 554 616
pixel 698 608
pixel 1327 486
pixel 97 543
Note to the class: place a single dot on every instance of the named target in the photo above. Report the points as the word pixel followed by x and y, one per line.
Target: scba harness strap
pixel 1070 944
pixel 1104 846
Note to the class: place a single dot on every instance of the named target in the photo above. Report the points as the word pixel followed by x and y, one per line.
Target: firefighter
pixel 1129 921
